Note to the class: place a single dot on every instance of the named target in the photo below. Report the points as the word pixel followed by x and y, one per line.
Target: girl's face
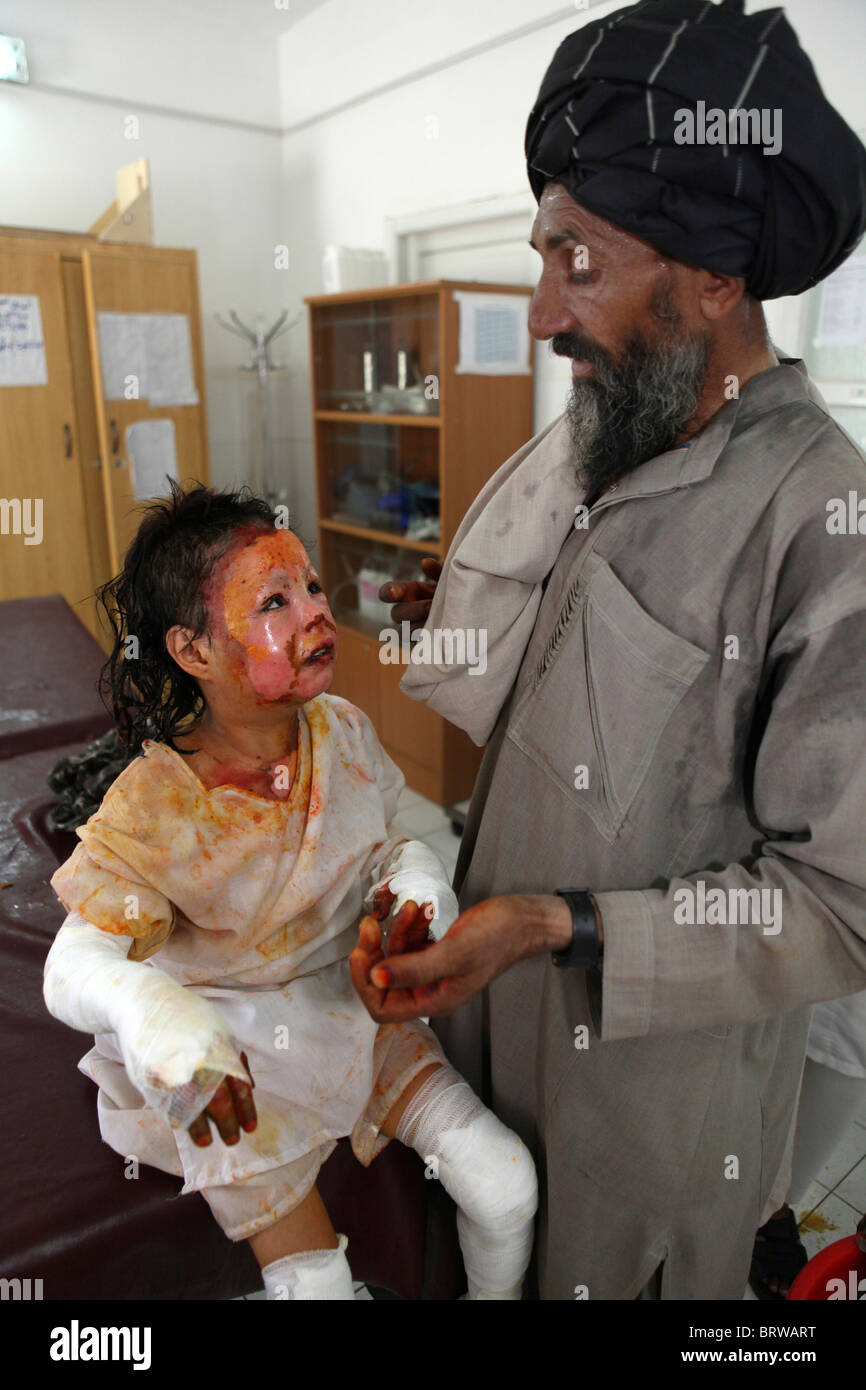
pixel 270 615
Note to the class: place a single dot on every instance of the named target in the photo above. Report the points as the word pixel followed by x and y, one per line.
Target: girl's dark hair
pixel 161 586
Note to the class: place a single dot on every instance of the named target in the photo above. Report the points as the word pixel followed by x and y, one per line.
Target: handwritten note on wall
pixel 22 346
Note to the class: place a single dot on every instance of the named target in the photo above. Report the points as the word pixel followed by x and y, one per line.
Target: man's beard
pixel 633 409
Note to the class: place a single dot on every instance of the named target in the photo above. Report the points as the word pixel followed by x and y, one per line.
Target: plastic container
pixel 842 1261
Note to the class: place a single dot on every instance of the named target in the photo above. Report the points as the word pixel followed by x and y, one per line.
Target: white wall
pixel 346 174
pixel 214 80
pixel 215 163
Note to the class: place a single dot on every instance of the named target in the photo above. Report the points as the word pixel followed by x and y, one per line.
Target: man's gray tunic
pixel 742 764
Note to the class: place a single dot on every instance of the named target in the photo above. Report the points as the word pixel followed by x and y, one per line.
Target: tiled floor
pixel 837 1197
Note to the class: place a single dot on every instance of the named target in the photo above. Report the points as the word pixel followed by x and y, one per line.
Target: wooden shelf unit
pixel 480 422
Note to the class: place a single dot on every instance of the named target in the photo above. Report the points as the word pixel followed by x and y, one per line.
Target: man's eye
pixel 578 277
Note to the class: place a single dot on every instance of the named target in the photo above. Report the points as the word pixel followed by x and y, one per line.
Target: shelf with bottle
pixel 378 358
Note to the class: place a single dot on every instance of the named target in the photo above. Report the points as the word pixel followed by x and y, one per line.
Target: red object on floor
pixel 843 1260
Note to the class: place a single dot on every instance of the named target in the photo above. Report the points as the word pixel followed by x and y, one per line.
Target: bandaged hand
pixel 177 1051
pixel 414 873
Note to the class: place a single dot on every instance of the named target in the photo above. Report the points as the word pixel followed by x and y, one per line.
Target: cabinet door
pixel 142 280
pixel 412 734
pixel 355 672
pixel 40 481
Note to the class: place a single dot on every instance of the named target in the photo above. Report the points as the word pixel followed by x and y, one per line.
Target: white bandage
pixel 175 1045
pixel 310 1275
pixel 416 872
pixel 489 1173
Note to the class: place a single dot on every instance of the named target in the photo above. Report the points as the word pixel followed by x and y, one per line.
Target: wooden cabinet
pixel 404 442
pixel 62 444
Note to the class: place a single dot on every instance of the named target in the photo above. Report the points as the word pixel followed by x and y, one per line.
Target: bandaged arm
pixel 174 1043
pixel 414 871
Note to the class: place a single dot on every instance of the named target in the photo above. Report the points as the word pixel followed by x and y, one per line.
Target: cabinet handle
pixel 115 436
pixel 67 441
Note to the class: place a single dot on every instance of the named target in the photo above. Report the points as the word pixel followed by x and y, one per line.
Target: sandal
pixel 778 1251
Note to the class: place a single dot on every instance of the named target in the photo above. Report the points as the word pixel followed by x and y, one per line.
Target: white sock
pixel 489 1173
pixel 310 1275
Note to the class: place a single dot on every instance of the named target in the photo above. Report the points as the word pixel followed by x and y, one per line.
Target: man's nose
pixel 549 310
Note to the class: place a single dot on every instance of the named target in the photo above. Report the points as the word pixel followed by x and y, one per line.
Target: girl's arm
pixel 174 1043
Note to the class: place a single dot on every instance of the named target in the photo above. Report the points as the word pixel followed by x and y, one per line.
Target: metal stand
pixel 263 473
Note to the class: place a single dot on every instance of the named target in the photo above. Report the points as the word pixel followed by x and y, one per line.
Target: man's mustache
pixel 568 345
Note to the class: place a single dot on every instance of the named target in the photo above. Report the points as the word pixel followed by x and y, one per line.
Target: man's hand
pixel 231 1108
pixel 482 943
pixel 415 596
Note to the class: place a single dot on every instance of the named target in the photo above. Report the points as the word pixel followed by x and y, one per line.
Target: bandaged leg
pixel 489 1173
pixel 311 1275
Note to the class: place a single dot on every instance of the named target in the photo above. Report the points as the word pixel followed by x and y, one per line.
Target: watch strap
pixel 583 952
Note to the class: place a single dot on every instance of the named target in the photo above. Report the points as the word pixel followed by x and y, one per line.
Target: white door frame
pixel 402 231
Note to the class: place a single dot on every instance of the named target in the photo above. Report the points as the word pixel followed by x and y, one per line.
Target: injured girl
pixel 240 850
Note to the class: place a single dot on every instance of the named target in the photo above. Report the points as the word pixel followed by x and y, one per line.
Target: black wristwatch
pixel 584 952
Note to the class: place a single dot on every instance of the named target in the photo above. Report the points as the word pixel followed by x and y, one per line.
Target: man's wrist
pixel 550 923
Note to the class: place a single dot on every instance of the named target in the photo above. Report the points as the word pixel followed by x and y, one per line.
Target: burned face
pixel 269 613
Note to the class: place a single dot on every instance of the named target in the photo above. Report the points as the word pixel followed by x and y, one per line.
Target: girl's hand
pixel 409 933
pixel 231 1108
pixel 481 944
pixel 409 930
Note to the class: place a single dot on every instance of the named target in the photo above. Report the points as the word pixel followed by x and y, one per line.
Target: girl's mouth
pixel 321 655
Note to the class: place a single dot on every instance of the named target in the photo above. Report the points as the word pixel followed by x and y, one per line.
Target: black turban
pixel 606 116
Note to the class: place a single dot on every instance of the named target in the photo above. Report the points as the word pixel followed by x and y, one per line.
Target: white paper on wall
pixel 168 350
pixel 22 346
pixel 122 357
pixel 152 453
pixel 146 357
pixel 494 334
pixel 842 317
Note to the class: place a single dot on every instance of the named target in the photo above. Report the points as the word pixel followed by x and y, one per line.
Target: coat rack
pixel 266 478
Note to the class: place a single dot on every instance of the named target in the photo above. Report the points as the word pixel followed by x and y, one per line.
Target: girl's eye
pixel 276 599
pixel 314 585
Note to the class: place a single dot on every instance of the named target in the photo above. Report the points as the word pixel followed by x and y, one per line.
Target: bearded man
pixel 673 706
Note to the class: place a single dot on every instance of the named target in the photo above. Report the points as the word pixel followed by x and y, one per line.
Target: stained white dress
pixel 255 905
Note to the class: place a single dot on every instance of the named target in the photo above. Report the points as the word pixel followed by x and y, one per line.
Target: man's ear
pixel 191 653
pixel 718 295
